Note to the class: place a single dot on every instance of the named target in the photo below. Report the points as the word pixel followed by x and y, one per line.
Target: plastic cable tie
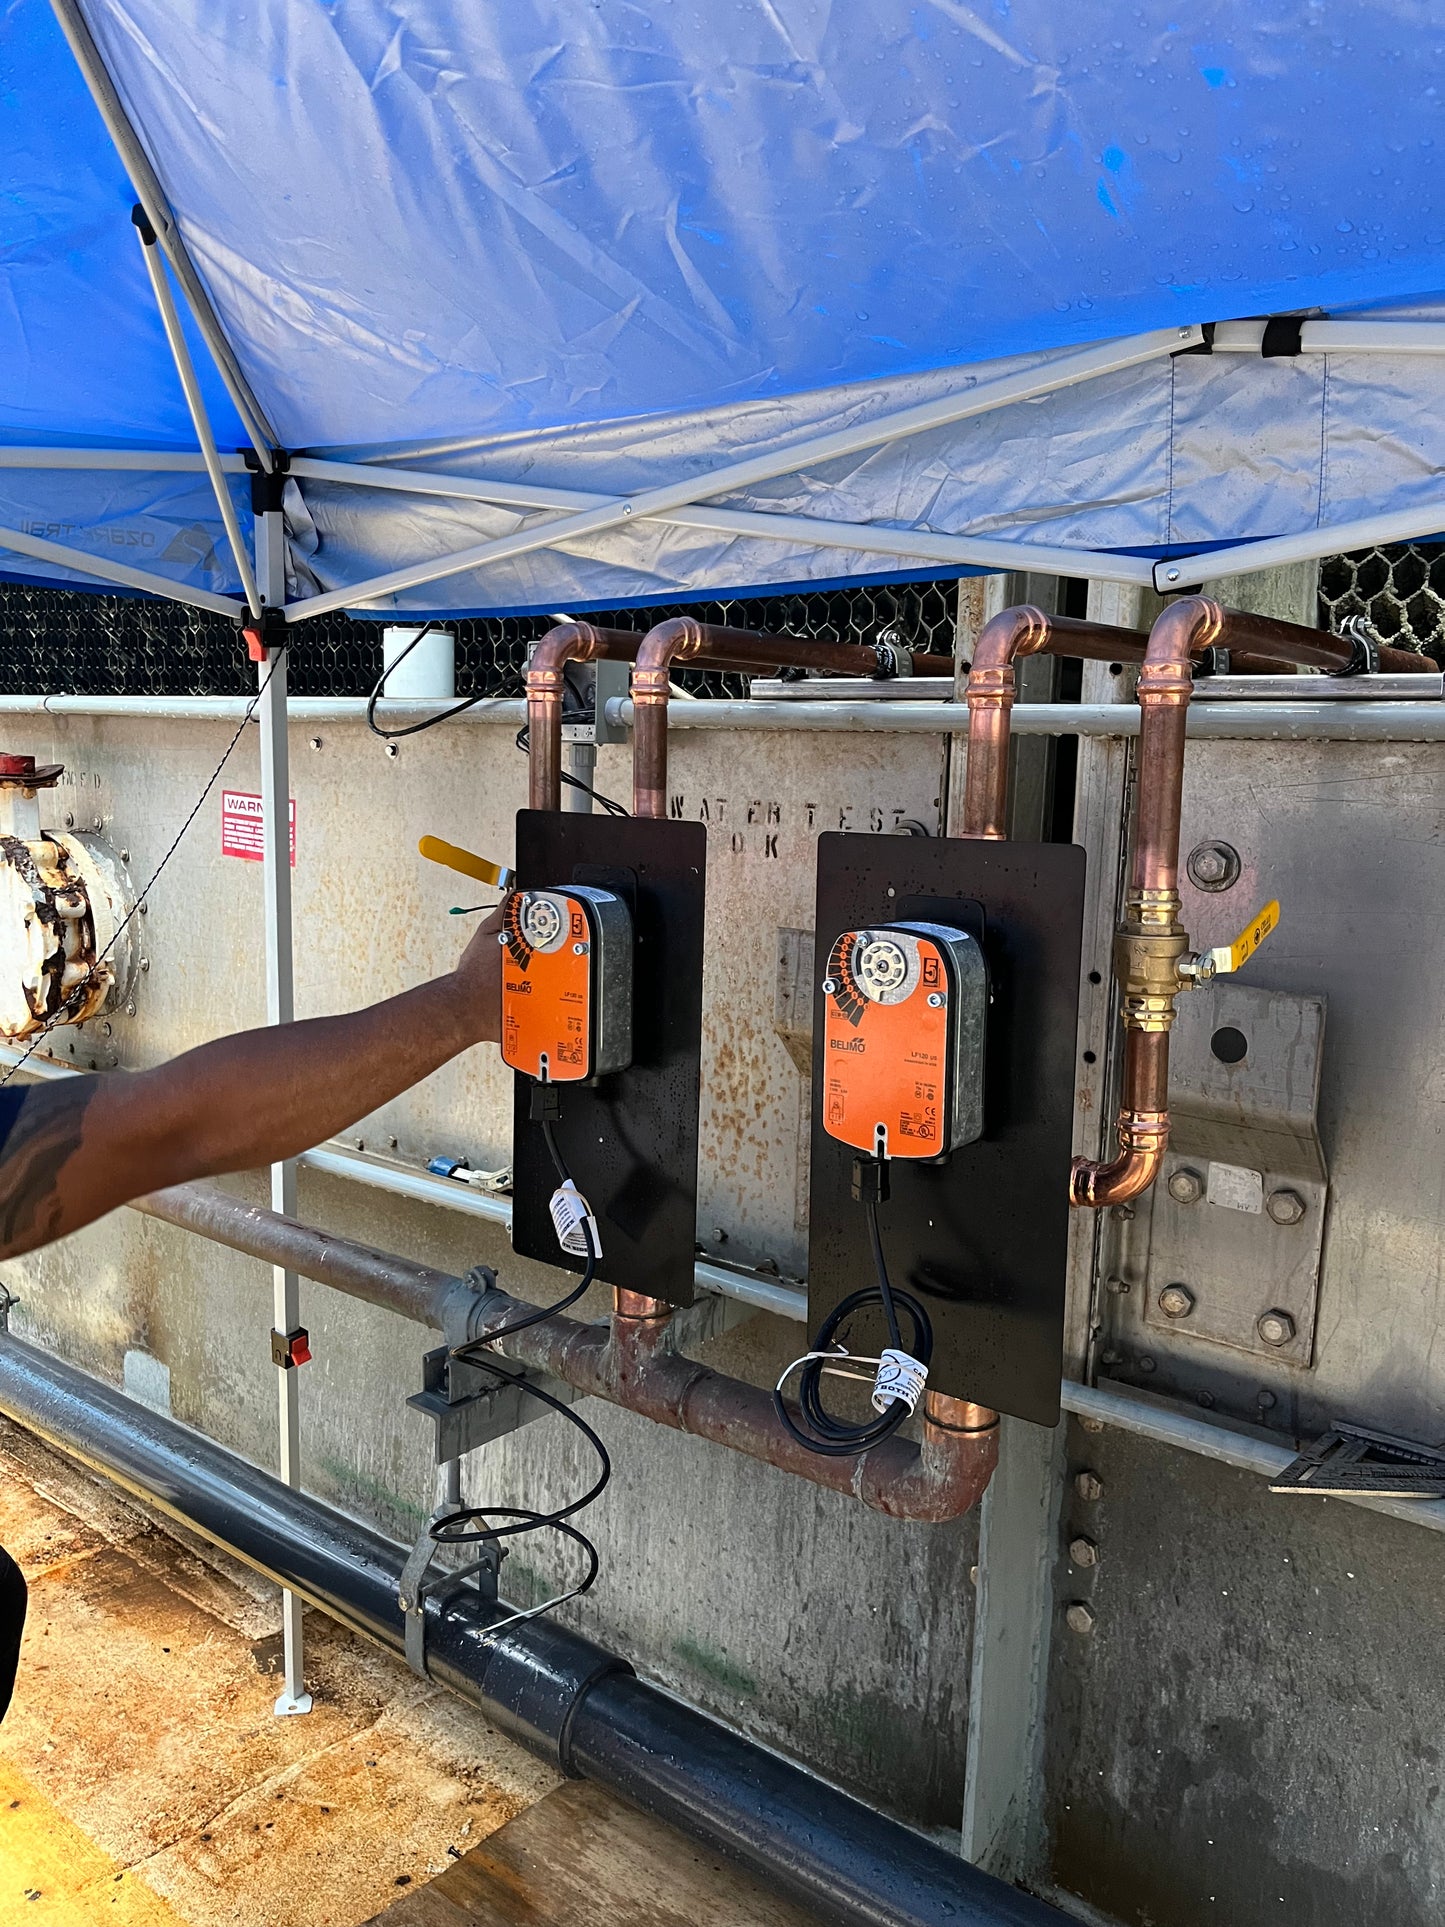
pixel 572 1219
pixel 899 1377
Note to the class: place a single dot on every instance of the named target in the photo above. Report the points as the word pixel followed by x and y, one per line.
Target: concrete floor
pixel 144 1779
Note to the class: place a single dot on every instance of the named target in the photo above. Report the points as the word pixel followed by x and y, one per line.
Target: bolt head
pixel 1147 1364
pixel 1285 1207
pixel 316 742
pixel 935 999
pixel 130 1010
pixel 1088 1485
pixel 1186 1187
pixel 125 856
pixel 1122 1213
pixel 1275 1327
pixel 1117 1287
pixel 829 986
pixel 392 749
pixel 1176 1301
pixel 69 821
pixel 1083 1552
pixel 1213 866
pixel 1079 1618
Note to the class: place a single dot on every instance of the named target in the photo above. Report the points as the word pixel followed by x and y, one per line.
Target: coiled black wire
pixel 474 1525
pixel 821 1431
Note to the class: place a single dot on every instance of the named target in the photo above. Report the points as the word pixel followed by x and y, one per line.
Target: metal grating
pixel 67 641
pixel 1399 590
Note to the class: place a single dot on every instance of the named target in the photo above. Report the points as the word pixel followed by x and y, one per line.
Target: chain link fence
pixel 67 641
pixel 1400 591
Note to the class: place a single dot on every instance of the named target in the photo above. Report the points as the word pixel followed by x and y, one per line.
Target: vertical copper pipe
pixel 546 689
pixel 1020 631
pixel 1151 940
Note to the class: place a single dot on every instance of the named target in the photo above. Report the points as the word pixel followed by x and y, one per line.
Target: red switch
pixel 289 1349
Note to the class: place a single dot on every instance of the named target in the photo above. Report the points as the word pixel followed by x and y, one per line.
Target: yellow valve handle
pixel 479 868
pixel 1228 957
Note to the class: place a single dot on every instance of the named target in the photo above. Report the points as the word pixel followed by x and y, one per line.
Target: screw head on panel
pixel 1122 1213
pixel 1275 1327
pixel 1176 1301
pixel 1079 1618
pixel 1186 1186
pixel 1083 1552
pixel 1213 866
pixel 1088 1485
pixel 1116 1286
pixel 1285 1207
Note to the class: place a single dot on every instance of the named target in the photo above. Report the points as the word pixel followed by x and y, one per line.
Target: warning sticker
pixel 242 827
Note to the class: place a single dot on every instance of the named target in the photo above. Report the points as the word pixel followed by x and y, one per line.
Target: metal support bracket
pixel 1235 1225
pixel 413 1588
pixel 469 1407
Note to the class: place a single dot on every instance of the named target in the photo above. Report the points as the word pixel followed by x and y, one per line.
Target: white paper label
pixel 572 1219
pixel 899 1376
pixel 1235 1187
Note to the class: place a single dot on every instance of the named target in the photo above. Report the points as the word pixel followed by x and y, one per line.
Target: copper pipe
pixel 939 1478
pixel 546 689
pixel 1020 631
pixel 1152 941
pixel 685 640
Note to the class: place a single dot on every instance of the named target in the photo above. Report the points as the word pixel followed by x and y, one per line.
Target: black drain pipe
pixel 578 1706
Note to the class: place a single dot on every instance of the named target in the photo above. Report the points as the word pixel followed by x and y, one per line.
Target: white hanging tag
pixel 572 1220
pixel 899 1376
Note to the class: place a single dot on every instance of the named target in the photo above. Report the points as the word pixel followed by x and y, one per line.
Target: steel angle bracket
pixel 1231 1236
pixel 1349 1462
pixel 469 1406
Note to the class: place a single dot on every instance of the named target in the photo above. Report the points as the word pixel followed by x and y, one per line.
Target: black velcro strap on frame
pixel 1282 336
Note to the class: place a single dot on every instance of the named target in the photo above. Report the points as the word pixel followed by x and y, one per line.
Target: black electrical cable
pixel 574 782
pixel 473 1525
pixel 427 722
pixel 821 1431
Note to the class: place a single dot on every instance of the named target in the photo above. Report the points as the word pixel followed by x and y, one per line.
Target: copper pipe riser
pixel 940 1478
pixel 546 690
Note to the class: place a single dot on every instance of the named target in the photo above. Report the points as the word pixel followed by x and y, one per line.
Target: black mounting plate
pixel 629 1139
pixel 982 1237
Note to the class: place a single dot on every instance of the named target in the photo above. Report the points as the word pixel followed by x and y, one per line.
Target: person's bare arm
pixel 83 1146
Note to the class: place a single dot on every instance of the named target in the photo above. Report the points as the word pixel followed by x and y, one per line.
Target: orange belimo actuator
pixel 1152 957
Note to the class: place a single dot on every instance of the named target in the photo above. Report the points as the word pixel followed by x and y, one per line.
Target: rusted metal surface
pixel 632 1364
pixel 63 955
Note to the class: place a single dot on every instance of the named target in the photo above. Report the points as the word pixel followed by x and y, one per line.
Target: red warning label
pixel 242 829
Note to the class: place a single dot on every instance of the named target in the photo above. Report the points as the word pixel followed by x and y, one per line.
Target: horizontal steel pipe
pixel 431 1297
pixel 938 1479
pixel 568 1699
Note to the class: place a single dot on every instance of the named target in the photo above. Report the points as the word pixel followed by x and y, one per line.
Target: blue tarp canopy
pixel 556 306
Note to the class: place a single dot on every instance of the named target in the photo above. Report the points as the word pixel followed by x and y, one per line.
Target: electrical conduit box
pixel 602 1010
pixel 945 1030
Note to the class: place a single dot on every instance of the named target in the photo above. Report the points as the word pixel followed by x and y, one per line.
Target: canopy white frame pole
pixel 281 1009
pixel 200 421
pixel 979 398
pixel 120 573
pixel 983 552
pixel 152 197
pixel 1273 552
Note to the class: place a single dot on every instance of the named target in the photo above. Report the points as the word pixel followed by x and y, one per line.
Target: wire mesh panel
pixel 67 641
pixel 1400 591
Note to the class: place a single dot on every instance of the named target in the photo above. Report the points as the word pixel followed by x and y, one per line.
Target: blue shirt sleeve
pixel 10 1102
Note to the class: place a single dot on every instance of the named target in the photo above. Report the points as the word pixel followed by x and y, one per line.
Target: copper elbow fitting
pixel 546 692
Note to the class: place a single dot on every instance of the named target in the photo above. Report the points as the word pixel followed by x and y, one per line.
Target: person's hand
pixel 479 975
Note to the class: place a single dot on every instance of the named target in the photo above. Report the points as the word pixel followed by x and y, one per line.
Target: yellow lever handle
pixel 1230 956
pixel 479 868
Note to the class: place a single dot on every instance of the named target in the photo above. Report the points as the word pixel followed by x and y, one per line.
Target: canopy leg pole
pixel 171 322
pixel 280 1009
